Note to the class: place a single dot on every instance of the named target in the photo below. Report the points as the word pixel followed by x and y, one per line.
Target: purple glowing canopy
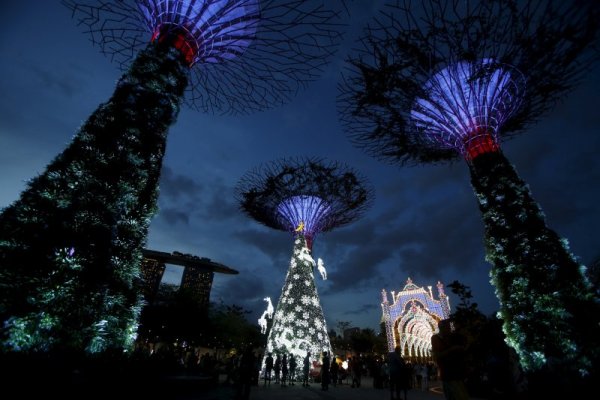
pixel 465 101
pixel 304 196
pixel 216 30
pixel 244 55
pixel 306 211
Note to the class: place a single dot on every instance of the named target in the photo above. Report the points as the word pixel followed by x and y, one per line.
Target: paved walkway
pixel 345 392
pixel 314 392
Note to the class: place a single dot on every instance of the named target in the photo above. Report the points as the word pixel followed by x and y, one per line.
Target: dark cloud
pixel 247 291
pixel 221 204
pixel 420 241
pixel 358 268
pixel 173 216
pixel 276 244
pixel 56 81
pixel 201 203
pixel 177 186
pixel 363 309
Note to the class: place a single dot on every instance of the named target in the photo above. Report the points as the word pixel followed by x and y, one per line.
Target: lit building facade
pixel 412 318
pixel 198 283
pixel 198 273
pixel 152 271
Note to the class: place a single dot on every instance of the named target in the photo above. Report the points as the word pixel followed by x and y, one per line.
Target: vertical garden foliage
pixel 549 312
pixel 70 246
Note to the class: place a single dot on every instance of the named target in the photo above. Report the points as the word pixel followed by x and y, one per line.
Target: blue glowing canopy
pixel 213 30
pixel 467 101
pixel 303 213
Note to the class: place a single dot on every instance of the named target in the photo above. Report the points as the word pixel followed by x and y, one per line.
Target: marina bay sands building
pixel 198 273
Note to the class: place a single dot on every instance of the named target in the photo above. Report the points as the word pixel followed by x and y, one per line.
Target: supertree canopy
pixel 307 212
pixel 439 79
pixel 308 193
pixel 70 246
pixel 463 114
pixel 304 197
pixel 245 55
pixel 207 31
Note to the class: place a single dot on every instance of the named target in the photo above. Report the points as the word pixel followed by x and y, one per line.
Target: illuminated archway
pixel 411 319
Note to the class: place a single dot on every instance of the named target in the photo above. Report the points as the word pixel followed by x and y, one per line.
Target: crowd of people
pixel 247 368
pixel 390 371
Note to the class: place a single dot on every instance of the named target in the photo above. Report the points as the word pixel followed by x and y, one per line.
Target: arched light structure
pixel 411 318
pixel 465 105
pixel 209 31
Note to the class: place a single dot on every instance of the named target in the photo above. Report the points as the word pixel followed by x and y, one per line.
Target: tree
pixel 98 196
pixel 440 80
pixel 230 328
pixel 304 197
pixel 176 315
pixel 342 326
pixel 364 341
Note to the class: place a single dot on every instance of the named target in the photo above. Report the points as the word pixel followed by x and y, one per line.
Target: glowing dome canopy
pixel 466 103
pixel 303 213
pixel 210 31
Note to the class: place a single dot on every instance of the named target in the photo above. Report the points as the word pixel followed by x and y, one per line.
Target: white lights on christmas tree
pixel 299 324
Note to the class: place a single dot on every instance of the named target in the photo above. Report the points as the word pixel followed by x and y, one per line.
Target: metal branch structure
pixel 71 245
pixel 305 197
pixel 246 55
pixel 440 80
pixel 288 192
pixel 495 65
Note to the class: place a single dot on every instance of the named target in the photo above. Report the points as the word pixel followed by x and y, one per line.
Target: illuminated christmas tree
pixel 439 79
pixel 70 246
pixel 304 197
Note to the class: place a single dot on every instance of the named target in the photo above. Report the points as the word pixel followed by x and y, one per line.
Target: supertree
pixel 304 197
pixel 70 246
pixel 436 80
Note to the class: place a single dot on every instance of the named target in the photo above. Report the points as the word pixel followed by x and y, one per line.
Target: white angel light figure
pixel 270 308
pixel 322 269
pixel 268 313
pixel 305 256
pixel 262 321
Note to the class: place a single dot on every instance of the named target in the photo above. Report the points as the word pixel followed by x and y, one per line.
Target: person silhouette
pixel 268 368
pixel 292 362
pixel 277 367
pixel 305 369
pixel 448 348
pixel 325 376
pixel 399 376
pixel 246 373
pixel 333 370
pixel 284 370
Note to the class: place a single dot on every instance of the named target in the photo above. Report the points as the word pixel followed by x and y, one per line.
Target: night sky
pixel 424 224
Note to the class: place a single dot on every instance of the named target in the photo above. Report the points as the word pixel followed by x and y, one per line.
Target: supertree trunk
pixel 549 311
pixel 70 246
pixel 298 323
